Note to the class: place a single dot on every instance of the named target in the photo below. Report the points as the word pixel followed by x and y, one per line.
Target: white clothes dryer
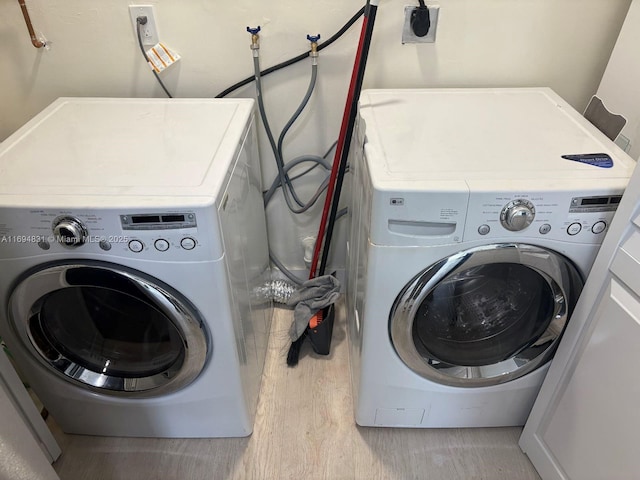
pixel 470 241
pixel 132 247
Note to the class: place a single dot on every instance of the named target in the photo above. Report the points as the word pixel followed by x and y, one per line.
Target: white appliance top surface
pixel 466 134
pixel 139 147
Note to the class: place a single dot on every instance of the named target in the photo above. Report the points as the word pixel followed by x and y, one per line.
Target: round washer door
pixel 486 315
pixel 109 329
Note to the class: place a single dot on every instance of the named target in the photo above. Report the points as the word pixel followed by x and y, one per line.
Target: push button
pixel 598 227
pixel 484 229
pixel 161 245
pixel 136 246
pixel 544 229
pixel 188 243
pixel 574 229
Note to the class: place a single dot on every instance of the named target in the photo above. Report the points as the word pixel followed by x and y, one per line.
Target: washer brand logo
pixel 397 202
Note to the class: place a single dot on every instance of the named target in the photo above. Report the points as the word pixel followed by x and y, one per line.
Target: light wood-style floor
pixel 304 429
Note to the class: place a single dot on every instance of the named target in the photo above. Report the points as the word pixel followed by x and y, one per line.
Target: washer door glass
pixel 486 315
pixel 109 329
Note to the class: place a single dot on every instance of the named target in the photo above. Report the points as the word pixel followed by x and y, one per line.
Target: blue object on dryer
pixel 601 160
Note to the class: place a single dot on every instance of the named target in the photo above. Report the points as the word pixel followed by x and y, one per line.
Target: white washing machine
pixel 132 245
pixel 470 242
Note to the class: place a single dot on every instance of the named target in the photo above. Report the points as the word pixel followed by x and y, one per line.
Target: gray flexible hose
pixel 283 178
pixel 293 163
pixel 292 120
pixel 282 173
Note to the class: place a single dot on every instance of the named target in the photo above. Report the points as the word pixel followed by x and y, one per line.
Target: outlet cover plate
pixel 149 30
pixel 407 34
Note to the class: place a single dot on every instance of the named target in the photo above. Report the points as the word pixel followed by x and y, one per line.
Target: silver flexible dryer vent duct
pixel 277 290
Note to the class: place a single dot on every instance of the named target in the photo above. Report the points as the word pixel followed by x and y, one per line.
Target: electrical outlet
pixel 149 31
pixel 407 34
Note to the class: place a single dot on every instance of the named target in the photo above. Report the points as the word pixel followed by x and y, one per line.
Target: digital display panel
pixel 173 218
pixel 146 219
pixel 161 221
pixel 594 204
pixel 595 201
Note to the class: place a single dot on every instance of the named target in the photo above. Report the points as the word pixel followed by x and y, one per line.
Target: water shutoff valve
pixel 255 38
pixel 314 47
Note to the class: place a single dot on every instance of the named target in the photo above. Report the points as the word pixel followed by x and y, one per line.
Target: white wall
pixel 564 44
pixel 619 87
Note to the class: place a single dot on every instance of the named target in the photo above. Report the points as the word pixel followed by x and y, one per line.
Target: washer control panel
pixel 555 215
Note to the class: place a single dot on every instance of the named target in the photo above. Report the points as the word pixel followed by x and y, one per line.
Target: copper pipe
pixel 34 40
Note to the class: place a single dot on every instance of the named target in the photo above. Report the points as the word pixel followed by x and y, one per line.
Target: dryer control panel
pixel 564 216
pixel 146 235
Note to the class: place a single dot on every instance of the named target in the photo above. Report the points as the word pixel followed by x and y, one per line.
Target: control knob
pixel 69 231
pixel 517 215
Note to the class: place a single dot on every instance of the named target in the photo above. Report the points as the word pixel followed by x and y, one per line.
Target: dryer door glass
pixel 486 315
pixel 109 329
